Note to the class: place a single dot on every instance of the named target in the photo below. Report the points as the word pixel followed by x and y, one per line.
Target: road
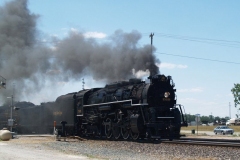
pixel 9 151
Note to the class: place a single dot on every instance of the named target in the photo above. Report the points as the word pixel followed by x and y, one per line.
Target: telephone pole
pixel 229 110
pixel 83 83
pixel 151 36
pixel 10 121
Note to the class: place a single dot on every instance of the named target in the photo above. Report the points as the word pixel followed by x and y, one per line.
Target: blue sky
pixel 199 29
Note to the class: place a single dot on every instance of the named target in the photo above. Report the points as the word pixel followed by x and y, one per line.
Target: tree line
pixel 206 119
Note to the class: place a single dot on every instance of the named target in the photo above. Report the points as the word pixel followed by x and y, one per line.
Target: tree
pixel 190 118
pixel 217 119
pixel 205 119
pixel 211 118
pixel 227 118
pixel 236 94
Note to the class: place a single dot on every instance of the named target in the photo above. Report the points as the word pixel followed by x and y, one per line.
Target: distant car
pixel 223 130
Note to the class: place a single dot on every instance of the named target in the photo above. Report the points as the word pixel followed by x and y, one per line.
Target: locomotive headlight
pixel 166 94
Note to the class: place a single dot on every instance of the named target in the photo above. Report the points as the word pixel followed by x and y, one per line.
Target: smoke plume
pixel 30 64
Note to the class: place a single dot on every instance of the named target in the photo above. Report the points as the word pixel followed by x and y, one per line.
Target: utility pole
pixel 151 36
pixel 11 114
pixel 83 83
pixel 10 121
pixel 229 110
pixel 211 119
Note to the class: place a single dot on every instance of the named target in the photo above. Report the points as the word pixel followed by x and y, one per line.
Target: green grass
pixel 208 128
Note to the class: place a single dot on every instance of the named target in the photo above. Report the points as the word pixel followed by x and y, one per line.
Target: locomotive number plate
pixel 166 99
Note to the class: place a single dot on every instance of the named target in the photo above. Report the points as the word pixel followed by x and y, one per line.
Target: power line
pixel 197 38
pixel 151 36
pixel 206 59
pixel 204 40
pixel 220 42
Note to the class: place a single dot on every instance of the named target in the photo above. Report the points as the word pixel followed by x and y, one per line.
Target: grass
pixel 208 128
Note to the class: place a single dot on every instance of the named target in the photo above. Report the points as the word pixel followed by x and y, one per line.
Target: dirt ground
pixel 27 148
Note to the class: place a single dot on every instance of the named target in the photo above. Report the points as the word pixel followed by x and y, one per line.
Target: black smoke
pixel 28 64
pixel 111 61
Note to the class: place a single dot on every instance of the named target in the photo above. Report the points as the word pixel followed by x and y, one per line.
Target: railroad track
pixel 206 142
pixel 183 140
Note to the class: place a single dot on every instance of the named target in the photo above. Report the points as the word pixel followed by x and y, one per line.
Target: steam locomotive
pixel 130 109
pixel 127 109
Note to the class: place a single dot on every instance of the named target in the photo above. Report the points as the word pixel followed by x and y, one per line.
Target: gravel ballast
pixel 126 150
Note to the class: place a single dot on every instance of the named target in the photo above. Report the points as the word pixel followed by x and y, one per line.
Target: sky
pixel 197 43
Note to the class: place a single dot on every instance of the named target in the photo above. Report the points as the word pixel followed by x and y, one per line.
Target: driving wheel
pixel 108 128
pixel 116 131
pixel 125 132
pixel 134 136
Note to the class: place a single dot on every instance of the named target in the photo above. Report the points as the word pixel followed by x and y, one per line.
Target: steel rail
pixel 212 139
pixel 205 142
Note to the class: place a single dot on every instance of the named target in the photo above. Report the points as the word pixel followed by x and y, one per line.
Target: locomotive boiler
pixel 130 109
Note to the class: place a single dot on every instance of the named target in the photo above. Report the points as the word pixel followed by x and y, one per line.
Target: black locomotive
pixel 128 109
